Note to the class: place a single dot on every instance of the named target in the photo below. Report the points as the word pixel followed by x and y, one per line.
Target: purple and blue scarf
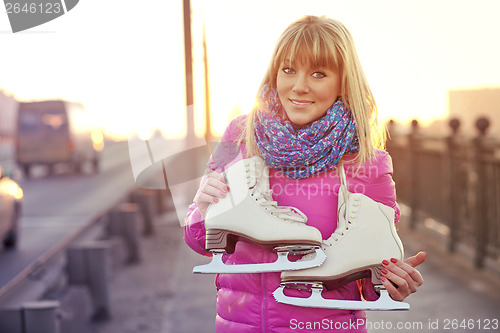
pixel 301 152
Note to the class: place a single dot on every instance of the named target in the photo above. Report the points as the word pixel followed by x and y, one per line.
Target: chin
pixel 299 121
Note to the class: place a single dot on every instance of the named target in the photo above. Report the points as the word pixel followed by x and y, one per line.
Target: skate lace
pixel 263 196
pixel 283 212
pixel 343 222
pixel 343 225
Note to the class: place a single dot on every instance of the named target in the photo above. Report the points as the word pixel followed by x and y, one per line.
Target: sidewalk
pixel 161 295
pixel 158 295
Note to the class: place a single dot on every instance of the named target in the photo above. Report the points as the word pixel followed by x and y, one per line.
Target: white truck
pixel 56 131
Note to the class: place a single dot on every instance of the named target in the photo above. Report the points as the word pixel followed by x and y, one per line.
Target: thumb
pixel 417 259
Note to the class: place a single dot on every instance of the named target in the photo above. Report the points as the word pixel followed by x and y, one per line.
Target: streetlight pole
pixel 208 127
pixel 190 136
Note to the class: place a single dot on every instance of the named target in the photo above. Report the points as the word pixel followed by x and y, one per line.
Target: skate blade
pixel 296 249
pixel 384 303
pixel 281 264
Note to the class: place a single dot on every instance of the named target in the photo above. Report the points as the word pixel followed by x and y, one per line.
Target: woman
pixel 315 110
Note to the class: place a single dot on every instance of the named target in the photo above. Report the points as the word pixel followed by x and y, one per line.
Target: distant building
pixel 8 113
pixel 468 105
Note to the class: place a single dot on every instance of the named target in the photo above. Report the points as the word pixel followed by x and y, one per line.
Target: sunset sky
pixel 125 59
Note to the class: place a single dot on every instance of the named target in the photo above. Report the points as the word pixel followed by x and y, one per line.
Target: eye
pixel 288 70
pixel 318 75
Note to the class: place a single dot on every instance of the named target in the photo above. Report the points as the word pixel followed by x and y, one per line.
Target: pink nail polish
pixel 215 200
pixel 385 263
pixel 394 260
pixel 383 279
pixel 384 271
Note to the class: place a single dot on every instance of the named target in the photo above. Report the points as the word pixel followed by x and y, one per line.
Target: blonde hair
pixel 326 42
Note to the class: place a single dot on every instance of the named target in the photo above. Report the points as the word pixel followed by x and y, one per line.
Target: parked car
pixel 11 196
pixel 56 131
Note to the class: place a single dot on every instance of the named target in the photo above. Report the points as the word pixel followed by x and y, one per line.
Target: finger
pixel 412 277
pixel 406 271
pixel 216 175
pixel 417 259
pixel 394 292
pixel 215 187
pixel 211 188
pixel 206 198
pixel 403 286
pixel 209 194
pixel 217 179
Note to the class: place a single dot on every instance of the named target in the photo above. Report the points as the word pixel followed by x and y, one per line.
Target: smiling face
pixel 306 91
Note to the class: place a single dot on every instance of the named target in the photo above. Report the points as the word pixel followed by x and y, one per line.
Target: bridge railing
pixel 452 185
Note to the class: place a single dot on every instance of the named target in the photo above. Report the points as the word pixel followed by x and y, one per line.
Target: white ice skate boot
pixel 365 236
pixel 248 211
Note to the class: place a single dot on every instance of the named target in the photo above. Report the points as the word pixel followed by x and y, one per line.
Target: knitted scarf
pixel 302 151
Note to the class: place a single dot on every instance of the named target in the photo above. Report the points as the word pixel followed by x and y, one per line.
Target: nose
pixel 300 85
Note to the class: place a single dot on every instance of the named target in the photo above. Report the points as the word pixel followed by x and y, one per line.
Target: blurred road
pixel 56 205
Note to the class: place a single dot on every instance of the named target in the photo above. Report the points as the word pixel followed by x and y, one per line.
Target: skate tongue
pixel 258 173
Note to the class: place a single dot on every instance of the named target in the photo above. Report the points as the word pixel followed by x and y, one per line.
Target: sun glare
pixel 412 56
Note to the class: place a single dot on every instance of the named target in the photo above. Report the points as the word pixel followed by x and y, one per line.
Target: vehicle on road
pixel 56 131
pixel 11 196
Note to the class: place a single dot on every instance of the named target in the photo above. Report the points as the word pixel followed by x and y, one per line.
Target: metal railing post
pixel 124 222
pixel 90 264
pixel 414 172
pixel 453 188
pixel 97 259
pixel 41 317
pixel 481 222
pixel 11 320
pixel 147 201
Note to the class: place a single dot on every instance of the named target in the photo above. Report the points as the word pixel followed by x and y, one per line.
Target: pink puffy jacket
pixel 245 303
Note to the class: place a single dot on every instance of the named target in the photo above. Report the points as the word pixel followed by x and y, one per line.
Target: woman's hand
pixel 400 278
pixel 212 188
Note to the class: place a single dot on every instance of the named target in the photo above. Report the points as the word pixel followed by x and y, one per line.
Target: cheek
pixel 281 85
pixel 282 91
pixel 330 93
pixel 281 95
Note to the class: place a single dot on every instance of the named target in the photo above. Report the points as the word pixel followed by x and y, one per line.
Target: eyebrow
pixel 287 61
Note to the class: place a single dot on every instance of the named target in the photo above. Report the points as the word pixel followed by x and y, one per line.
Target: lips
pixel 298 103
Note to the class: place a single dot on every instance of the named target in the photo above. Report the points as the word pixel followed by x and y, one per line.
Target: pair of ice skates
pixel 249 211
